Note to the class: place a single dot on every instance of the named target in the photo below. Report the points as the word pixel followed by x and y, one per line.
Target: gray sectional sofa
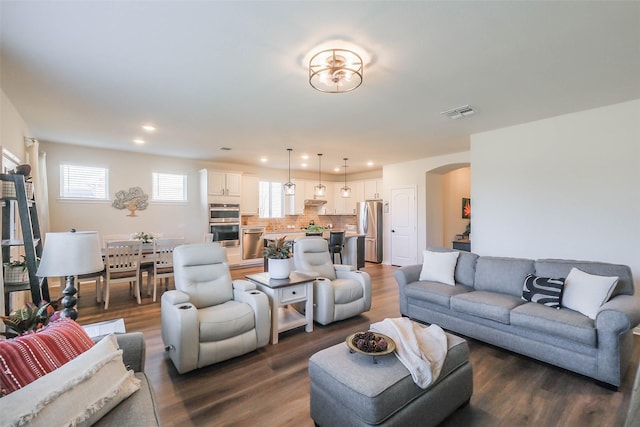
pixel 486 304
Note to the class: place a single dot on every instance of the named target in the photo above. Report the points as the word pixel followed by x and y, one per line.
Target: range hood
pixel 314 202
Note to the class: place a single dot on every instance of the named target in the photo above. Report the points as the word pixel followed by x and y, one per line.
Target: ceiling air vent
pixel 459 112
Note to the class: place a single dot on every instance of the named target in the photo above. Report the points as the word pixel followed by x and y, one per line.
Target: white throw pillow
pixel 586 292
pixel 439 267
pixel 78 393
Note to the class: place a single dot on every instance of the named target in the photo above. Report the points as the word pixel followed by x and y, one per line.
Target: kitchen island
pixel 352 254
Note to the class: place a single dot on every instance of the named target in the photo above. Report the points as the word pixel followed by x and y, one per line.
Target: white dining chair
pixel 122 264
pixel 162 263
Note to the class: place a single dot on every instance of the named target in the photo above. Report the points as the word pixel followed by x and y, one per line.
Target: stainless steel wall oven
pixel 224 223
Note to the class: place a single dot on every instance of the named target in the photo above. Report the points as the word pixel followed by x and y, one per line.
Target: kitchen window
pixel 271 200
pixel 169 187
pixel 83 182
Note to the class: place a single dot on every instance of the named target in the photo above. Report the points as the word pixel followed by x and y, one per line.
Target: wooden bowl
pixel 391 345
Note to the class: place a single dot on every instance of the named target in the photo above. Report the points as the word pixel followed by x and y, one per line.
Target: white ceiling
pixel 210 74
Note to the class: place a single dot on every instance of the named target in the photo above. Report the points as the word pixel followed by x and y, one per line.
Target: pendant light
pixel 289 187
pixel 319 190
pixel 346 191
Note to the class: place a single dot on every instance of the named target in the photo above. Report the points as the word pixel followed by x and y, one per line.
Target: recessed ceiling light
pixel 369 163
pixel 304 165
pixel 148 128
pixel 336 169
pixel 263 159
pixel 305 157
pixel 138 141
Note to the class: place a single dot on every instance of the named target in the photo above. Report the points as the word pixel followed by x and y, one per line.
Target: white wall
pixel 564 187
pixel 414 174
pixel 13 128
pixel 125 170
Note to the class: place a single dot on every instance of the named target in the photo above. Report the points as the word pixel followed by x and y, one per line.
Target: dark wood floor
pixel 270 386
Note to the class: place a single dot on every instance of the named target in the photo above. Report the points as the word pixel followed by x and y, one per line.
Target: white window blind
pixel 169 187
pixel 83 182
pixel 271 200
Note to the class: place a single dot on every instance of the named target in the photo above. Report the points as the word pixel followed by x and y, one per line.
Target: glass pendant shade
pixel 319 190
pixel 289 187
pixel 345 191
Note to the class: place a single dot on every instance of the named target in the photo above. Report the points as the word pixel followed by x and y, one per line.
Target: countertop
pixel 294 234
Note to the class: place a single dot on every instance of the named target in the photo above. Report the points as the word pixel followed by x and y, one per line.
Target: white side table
pixel 282 292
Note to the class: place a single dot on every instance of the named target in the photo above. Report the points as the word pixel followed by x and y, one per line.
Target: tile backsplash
pixel 339 222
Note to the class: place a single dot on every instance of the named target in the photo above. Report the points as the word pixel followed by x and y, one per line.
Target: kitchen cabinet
pixel 249 199
pixel 357 192
pixel 343 205
pixel 372 189
pixel 224 184
pixel 329 207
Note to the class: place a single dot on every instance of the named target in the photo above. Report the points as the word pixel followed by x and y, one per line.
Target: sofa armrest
pixel 343 267
pixel 407 274
pixel 180 330
pixel 620 313
pixel 243 285
pixel 133 350
pixel 259 303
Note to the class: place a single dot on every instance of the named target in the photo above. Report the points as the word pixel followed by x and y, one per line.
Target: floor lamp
pixel 70 254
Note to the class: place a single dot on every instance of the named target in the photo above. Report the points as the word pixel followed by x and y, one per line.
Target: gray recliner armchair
pixel 340 291
pixel 210 318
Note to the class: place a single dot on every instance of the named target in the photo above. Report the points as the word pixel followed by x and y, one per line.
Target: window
pixel 271 200
pixel 169 187
pixel 83 182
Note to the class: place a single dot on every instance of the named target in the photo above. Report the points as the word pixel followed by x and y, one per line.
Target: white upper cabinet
pixel 224 184
pixel 344 205
pixel 249 201
pixel 372 189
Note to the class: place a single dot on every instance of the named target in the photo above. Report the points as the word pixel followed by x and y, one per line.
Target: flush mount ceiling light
pixel 319 189
pixel 335 70
pixel 289 187
pixel 346 191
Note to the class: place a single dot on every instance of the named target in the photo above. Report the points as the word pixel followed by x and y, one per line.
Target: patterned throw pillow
pixel 28 357
pixel 543 290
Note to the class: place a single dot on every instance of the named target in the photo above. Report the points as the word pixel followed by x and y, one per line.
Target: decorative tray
pixel 391 345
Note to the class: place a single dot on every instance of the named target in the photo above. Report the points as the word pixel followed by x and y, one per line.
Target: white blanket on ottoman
pixel 421 350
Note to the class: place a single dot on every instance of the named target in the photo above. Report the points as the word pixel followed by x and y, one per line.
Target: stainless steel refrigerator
pixel 369 217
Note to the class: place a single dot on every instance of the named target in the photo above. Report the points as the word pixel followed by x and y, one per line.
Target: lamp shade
pixel 70 254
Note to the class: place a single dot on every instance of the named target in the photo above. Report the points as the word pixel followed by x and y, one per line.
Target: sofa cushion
pixel 346 290
pixel 439 267
pixel 465 267
pixel 586 292
pixel 223 321
pixel 140 406
pixel 562 267
pixel 28 357
pixel 504 275
pixel 78 393
pixel 563 323
pixel 543 290
pixel 488 305
pixel 435 292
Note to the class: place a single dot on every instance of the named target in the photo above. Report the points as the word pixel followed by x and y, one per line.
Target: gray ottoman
pixel 348 389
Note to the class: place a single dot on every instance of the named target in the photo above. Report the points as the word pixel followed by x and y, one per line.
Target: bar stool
pixel 336 242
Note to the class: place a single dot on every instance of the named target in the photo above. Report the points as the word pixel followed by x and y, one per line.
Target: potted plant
pixel 31 317
pixel 314 230
pixel 278 252
pixel 16 271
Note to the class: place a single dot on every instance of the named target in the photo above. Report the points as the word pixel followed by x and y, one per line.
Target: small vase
pixel 279 268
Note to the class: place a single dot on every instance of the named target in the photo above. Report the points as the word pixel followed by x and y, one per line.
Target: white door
pixel 404 226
